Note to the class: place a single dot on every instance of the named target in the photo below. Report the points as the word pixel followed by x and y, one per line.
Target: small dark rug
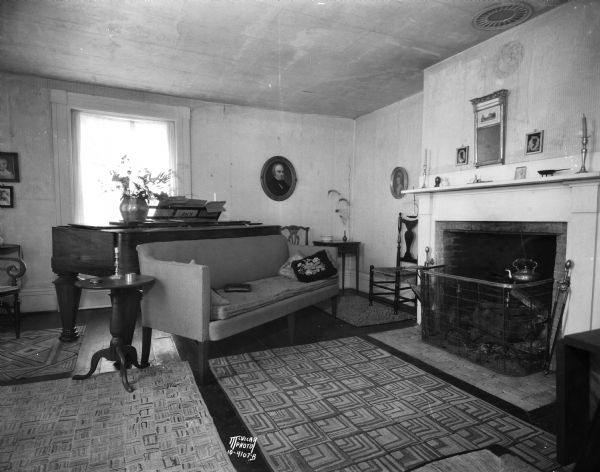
pixel 37 354
pixel 355 310
pixel 95 425
pixel 346 404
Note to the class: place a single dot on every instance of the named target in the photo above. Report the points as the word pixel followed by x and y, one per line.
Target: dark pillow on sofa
pixel 315 267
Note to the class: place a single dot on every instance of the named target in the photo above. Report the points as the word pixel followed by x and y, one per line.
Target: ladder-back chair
pixel 392 285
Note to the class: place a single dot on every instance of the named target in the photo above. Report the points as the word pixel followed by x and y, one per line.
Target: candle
pixel 584 126
pixel 214 196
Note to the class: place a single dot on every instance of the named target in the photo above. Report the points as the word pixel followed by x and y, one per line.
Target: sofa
pixel 189 297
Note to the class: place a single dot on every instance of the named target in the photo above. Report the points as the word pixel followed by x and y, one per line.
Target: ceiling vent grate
pixel 499 17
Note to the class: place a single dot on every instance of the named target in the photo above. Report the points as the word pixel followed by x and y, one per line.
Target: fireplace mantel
pixel 555 179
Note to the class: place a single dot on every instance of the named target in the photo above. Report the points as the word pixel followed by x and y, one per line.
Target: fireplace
pixel 548 219
pixel 475 308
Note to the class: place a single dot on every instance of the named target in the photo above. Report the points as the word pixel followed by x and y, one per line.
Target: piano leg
pixel 68 296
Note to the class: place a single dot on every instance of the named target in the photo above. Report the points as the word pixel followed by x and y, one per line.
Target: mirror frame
pixel 490 108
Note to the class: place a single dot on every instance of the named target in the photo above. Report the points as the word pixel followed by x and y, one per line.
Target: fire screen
pixel 500 325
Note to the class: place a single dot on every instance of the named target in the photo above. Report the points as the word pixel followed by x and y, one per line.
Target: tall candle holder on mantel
pixel 584 142
pixel 425 171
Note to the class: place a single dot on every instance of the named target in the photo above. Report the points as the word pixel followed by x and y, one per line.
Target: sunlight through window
pixel 102 141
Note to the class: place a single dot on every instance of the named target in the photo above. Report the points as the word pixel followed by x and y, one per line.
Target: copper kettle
pixel 524 270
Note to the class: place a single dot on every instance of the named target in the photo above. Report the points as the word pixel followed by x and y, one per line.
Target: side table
pixel 578 427
pixel 125 296
pixel 344 247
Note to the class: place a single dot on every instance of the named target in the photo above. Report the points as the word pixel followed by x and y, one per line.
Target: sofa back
pixel 230 260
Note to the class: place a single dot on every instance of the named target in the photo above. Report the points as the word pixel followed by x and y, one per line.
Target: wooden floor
pixel 312 325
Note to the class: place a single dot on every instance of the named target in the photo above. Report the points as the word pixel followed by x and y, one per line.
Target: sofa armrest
pixel 179 301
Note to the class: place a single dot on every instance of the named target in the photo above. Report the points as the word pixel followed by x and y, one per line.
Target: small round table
pixel 125 296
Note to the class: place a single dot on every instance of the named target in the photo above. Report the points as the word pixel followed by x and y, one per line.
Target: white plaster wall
pixel 230 145
pixel 385 139
pixel 551 68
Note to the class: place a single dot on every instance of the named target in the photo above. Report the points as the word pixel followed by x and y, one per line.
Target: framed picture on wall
pixel 462 156
pixel 398 182
pixel 7 199
pixel 278 178
pixel 9 167
pixel 535 142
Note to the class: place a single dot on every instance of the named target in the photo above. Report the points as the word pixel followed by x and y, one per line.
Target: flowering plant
pixel 342 206
pixel 140 183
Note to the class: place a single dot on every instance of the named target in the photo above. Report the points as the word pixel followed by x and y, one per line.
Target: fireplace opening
pixel 474 308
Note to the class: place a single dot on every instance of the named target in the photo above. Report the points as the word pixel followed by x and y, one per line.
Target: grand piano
pixel 108 250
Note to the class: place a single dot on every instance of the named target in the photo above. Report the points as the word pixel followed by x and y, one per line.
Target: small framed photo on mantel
pixel 535 142
pixel 462 156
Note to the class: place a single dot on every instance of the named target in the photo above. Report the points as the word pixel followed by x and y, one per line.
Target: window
pixel 102 141
pixel 92 134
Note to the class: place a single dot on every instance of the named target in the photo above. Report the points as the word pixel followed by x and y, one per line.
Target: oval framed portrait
pixel 278 178
pixel 398 182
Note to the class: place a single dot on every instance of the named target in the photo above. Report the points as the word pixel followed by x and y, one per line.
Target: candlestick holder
pixel 584 141
pixel 424 176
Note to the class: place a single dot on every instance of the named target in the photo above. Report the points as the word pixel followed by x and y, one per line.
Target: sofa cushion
pixel 314 267
pixel 264 292
pixel 286 269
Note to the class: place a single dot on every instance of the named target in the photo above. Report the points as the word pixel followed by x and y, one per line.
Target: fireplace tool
pixel 558 308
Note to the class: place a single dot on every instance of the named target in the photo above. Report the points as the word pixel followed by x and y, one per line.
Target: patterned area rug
pixel 95 425
pixel 37 354
pixel 348 405
pixel 355 310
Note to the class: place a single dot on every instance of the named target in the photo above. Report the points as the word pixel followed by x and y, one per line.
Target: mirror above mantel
pixel 490 120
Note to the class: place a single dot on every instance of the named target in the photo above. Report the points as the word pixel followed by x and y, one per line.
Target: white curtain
pixel 99 143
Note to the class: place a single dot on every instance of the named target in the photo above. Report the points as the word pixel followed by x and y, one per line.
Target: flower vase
pixel 134 210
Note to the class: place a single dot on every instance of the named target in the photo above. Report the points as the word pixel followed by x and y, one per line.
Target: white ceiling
pixel 331 57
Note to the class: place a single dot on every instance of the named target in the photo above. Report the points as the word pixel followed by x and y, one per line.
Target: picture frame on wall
pixel 520 173
pixel 278 178
pixel 462 156
pixel 534 142
pixel 398 182
pixel 7 199
pixel 9 167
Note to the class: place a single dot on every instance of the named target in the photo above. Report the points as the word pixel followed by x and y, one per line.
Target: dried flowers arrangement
pixel 140 183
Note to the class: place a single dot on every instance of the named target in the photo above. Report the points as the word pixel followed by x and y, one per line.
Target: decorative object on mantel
pixel 534 142
pixel 138 187
pixel 7 196
pixel 438 181
pixel 398 182
pixel 425 168
pixel 462 155
pixel 549 172
pixel 9 167
pixel 520 172
pixel 490 124
pixel 584 141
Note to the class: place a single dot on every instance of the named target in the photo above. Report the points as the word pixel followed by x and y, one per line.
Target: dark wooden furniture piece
pixel 344 247
pixel 125 296
pixel 292 233
pixel 578 431
pixel 11 262
pixel 106 250
pixel 385 283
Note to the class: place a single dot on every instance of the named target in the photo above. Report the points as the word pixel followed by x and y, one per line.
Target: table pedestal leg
pixel 125 306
